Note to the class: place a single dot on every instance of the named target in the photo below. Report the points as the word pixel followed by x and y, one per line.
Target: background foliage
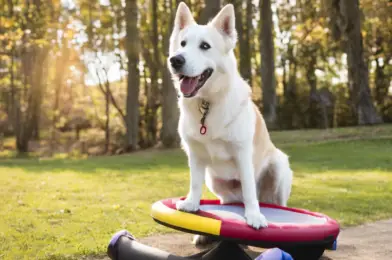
pixel 96 70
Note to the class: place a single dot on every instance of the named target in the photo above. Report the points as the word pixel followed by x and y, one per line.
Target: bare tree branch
pixel 108 89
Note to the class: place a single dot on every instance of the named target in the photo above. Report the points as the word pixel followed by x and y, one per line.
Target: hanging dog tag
pixel 204 108
pixel 203 130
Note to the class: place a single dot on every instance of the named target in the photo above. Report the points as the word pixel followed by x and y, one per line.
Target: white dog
pixel 221 130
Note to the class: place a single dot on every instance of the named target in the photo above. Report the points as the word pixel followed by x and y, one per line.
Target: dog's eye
pixel 183 43
pixel 204 46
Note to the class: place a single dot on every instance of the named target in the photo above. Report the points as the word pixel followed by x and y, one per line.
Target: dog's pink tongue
pixel 188 85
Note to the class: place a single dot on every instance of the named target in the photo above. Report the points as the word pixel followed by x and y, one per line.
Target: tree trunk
pixel 211 8
pixel 358 72
pixel 313 95
pixel 149 110
pixel 143 135
pixel 241 32
pixel 290 106
pixel 32 58
pixel 39 82
pixel 61 63
pixel 246 67
pixel 153 63
pixel 133 80
pixel 318 113
pixel 15 118
pixel 107 119
pixel 267 64
pixel 36 117
pixel 381 77
pixel 40 67
pixel 170 113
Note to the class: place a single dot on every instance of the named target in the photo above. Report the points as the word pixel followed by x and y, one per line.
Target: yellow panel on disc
pixel 161 212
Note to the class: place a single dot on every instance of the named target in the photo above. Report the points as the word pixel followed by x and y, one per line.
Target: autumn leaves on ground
pixel 69 208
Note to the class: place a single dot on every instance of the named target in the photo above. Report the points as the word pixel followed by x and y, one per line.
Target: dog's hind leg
pixel 227 191
pixel 275 184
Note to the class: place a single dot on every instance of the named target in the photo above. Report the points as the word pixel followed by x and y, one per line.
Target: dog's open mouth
pixel 190 85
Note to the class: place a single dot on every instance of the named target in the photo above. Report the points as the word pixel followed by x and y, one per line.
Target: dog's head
pixel 199 53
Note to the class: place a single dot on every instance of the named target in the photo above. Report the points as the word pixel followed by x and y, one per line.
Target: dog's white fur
pixel 235 157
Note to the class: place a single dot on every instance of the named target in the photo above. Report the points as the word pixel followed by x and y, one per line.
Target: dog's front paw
pixel 187 205
pixel 255 219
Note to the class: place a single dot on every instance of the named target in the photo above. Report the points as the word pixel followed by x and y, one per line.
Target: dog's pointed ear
pixel 224 21
pixel 184 17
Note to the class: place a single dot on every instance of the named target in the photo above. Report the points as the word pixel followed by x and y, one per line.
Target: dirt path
pixel 371 242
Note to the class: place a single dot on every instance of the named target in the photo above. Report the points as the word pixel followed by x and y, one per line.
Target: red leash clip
pixel 203 130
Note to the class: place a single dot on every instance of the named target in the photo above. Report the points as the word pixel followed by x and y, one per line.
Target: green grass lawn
pixel 64 208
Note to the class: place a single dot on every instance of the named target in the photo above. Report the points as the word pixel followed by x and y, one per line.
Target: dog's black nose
pixel 177 61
